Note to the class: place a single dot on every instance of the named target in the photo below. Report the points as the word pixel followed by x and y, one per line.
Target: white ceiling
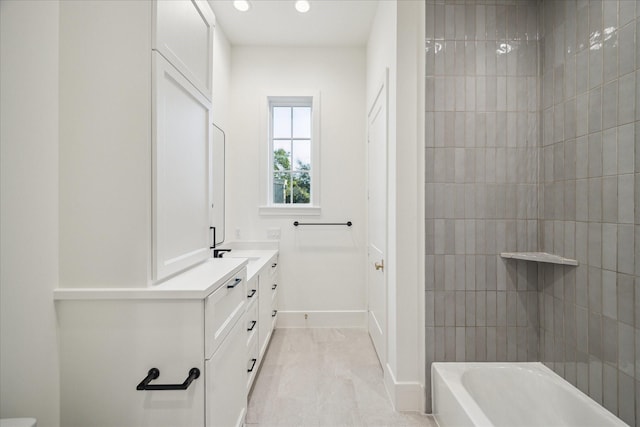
pixel 277 23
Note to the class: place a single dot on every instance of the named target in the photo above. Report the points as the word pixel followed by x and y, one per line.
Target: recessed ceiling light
pixel 241 5
pixel 302 6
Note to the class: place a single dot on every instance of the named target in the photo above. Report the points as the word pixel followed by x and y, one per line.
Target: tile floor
pixel 323 377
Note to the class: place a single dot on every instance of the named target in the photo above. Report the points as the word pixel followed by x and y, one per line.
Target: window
pixel 290 162
pixel 290 125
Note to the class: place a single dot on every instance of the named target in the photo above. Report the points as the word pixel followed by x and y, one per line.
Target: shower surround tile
pixel 489 152
pixel 554 85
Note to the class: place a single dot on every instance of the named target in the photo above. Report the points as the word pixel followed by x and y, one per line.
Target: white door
pixel 377 228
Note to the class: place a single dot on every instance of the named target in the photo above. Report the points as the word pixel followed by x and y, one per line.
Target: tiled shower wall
pixel 494 184
pixel 481 180
pixel 590 314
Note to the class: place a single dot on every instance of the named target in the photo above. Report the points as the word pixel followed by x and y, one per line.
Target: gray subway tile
pixel 626 297
pixel 610 104
pixel 609 201
pixel 626 398
pixel 626 348
pixel 582 329
pixel 609 294
pixel 595 245
pixel 595 155
pixel 610 152
pixel 595 290
pixel 626 203
pixel 610 240
pixel 609 340
pixel 626 98
pixel 626 248
pixel 595 335
pixel 595 68
pixel 582 370
pixel 610 387
pixel 626 147
pixel 627 44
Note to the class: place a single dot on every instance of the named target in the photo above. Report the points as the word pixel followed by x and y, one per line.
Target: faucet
pixel 217 253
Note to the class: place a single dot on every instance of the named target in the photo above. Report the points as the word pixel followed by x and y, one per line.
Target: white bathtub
pixel 511 395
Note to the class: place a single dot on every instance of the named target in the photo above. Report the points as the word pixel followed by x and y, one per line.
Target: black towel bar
pixel 297 223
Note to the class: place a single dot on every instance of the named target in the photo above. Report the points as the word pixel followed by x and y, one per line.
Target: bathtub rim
pixel 453 382
pixel 451 375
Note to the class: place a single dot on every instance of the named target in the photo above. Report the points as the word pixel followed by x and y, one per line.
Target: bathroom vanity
pixel 182 353
pixel 262 298
pixel 152 331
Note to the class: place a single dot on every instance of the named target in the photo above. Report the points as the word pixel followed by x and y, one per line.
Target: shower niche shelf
pixel 539 257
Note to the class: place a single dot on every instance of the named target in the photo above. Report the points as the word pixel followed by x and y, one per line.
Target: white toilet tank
pixel 18 422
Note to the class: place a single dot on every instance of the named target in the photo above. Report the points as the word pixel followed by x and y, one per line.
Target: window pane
pixel 301 188
pixel 302 155
pixel 281 187
pixel 282 122
pixel 302 122
pixel 281 155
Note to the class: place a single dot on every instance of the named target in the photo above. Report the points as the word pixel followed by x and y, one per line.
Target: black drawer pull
pixel 253 292
pixel 275 285
pixel 235 283
pixel 274 265
pixel 253 365
pixel 273 313
pixel 253 325
pixel 154 373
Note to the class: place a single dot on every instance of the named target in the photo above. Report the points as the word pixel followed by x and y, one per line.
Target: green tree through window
pixel 290 187
pixel 291 148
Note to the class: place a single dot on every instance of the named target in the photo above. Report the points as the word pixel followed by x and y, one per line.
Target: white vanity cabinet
pixel 262 300
pixel 183 33
pixel 135 140
pixel 268 284
pixel 110 339
pixel 252 327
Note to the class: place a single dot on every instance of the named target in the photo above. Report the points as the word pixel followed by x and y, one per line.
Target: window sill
pixel 288 210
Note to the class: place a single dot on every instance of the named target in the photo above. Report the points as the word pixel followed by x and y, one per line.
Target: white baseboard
pixel 406 396
pixel 322 319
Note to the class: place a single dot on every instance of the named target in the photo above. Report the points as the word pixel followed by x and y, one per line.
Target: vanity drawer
pixel 274 293
pixel 252 290
pixel 274 312
pixel 273 269
pixel 251 322
pixel 252 362
pixel 222 309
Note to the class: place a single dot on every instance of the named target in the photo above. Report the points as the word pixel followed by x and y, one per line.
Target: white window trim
pixel 269 208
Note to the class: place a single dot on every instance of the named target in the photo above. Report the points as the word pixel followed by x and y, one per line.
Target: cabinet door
pixel 226 381
pixel 108 346
pixel 184 36
pixel 264 302
pixel 181 166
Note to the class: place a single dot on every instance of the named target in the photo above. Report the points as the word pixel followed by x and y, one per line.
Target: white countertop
pixel 257 259
pixel 195 283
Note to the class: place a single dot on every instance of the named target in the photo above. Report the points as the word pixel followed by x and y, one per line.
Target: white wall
pixel 29 373
pixel 322 268
pixel 393 43
pixel 105 143
pixel 410 206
